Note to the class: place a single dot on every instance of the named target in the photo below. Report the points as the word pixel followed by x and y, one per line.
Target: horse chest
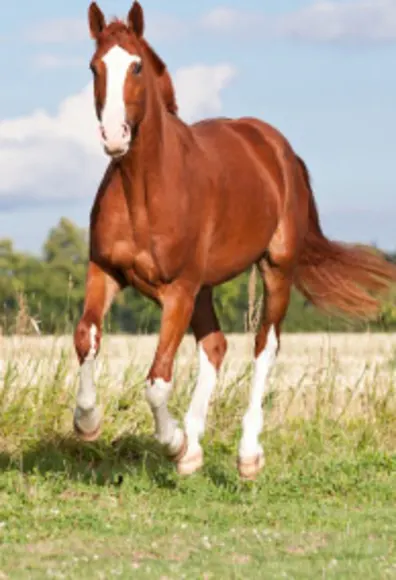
pixel 143 257
pixel 135 263
pixel 145 269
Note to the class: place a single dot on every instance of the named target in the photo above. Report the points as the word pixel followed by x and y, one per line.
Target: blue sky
pixel 322 72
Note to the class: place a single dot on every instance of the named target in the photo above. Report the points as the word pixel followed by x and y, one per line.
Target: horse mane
pixel 164 79
pixel 118 27
pixel 115 27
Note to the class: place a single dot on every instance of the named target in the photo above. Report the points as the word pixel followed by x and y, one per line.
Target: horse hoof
pixel 251 467
pixel 177 457
pixel 189 464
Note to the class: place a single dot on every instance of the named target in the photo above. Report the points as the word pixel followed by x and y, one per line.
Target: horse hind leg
pixel 277 280
pixel 212 348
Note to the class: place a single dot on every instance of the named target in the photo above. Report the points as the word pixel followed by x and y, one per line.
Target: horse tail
pixel 339 277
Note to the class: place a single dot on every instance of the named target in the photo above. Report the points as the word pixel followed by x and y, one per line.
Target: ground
pixel 324 507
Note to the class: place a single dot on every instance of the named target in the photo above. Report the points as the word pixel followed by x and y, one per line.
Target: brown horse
pixel 184 208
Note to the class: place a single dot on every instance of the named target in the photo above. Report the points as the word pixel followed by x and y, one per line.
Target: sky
pixel 323 72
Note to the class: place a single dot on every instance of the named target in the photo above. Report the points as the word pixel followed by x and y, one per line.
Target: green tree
pixel 66 244
pixel 51 289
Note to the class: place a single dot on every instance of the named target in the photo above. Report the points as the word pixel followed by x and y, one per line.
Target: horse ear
pixel 136 19
pixel 97 22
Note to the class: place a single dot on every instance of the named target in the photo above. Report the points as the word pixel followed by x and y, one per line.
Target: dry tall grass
pixel 336 377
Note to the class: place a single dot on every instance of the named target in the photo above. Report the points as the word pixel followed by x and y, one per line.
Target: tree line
pixel 45 294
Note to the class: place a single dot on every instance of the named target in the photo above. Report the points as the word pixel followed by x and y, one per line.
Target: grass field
pixel 324 507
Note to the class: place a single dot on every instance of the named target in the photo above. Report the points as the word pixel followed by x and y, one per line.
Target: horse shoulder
pixel 111 238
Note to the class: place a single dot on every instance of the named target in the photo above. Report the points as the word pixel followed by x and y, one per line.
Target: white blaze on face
pixel 116 134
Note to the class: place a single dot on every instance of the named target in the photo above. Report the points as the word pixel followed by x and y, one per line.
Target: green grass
pixel 324 507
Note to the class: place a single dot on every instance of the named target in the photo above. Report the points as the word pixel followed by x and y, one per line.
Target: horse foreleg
pixel 178 304
pixel 277 284
pixel 212 347
pixel 101 288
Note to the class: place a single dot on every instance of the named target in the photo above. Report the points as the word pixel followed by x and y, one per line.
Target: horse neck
pixel 145 157
pixel 142 169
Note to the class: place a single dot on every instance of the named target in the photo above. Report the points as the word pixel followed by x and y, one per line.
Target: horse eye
pixel 137 68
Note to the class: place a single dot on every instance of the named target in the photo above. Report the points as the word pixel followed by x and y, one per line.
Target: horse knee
pixel 215 347
pixel 86 340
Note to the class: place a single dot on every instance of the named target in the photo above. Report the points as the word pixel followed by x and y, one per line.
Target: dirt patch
pixel 241 559
pixel 311 543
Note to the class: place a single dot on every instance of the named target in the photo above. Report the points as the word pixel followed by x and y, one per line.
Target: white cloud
pixel 53 158
pixel 225 20
pixel 364 20
pixel 52 61
pixel 199 88
pixel 222 19
pixel 62 30
pixel 164 28
pixel 159 28
pixel 320 21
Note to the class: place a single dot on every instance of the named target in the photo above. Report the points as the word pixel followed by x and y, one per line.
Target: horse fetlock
pixel 250 467
pixel 251 458
pixel 249 446
pixel 87 423
pixel 177 446
pixel 169 435
pixel 191 461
